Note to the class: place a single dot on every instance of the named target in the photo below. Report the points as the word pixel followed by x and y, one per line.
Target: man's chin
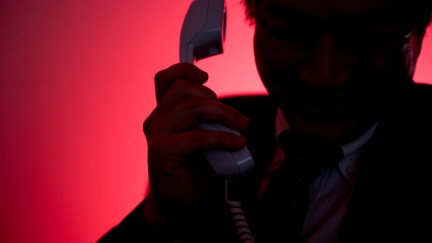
pixel 327 129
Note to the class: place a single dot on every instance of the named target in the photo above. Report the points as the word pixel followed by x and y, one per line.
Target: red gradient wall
pixel 76 83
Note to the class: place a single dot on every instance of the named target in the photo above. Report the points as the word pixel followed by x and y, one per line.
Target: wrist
pixel 170 224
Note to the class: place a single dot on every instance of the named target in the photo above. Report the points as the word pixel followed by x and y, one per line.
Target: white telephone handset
pixel 202 35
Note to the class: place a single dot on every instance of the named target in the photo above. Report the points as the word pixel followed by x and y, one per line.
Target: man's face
pixel 333 65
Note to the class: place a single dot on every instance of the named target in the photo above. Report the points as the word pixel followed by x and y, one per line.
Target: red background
pixel 76 83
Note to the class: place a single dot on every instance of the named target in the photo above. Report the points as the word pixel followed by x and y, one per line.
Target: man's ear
pixel 411 50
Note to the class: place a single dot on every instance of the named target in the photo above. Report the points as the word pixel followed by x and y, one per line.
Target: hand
pixel 177 181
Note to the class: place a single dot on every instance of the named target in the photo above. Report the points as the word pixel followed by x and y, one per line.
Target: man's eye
pixel 282 34
pixel 374 38
pixel 292 32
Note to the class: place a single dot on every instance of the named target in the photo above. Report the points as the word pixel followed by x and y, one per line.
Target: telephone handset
pixel 202 35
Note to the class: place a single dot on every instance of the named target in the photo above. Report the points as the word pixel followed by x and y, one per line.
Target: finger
pixel 193 141
pixel 165 78
pixel 180 91
pixel 171 151
pixel 190 113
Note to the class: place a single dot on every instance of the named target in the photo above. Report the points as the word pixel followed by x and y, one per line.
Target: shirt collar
pixel 283 125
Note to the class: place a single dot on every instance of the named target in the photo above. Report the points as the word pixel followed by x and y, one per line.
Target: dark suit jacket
pixel 391 201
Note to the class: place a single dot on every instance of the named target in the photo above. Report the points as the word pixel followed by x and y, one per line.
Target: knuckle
pixel 159 76
pixel 209 93
pixel 150 121
pixel 194 89
pixel 213 94
pixel 162 74
pixel 146 126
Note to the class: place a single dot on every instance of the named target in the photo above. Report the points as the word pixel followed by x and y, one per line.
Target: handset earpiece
pixel 203 31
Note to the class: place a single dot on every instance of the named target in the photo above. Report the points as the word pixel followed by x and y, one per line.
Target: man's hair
pixel 249 10
pixel 419 11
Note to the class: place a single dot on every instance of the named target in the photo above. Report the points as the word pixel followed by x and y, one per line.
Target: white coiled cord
pixel 239 218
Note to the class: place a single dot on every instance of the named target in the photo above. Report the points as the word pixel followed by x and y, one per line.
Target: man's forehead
pixel 327 7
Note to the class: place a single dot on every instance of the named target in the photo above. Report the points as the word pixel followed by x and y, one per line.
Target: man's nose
pixel 326 64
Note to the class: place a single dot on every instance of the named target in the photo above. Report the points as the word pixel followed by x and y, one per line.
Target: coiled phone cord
pixel 239 218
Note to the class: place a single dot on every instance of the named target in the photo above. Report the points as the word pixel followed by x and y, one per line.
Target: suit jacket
pixel 390 202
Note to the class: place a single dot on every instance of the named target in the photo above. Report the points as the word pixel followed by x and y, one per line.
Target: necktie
pixel 283 206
